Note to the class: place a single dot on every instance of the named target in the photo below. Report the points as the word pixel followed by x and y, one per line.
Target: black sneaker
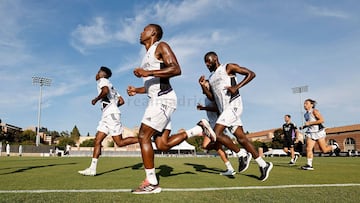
pixel 265 171
pixel 307 167
pixel 337 149
pixel 244 162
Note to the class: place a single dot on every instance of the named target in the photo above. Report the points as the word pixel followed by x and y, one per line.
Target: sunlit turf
pixel 60 173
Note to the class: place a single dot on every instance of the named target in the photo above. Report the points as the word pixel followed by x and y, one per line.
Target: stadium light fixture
pixel 299 90
pixel 41 81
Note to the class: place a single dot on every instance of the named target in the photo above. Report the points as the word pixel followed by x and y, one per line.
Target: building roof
pixel 342 129
pixel 266 134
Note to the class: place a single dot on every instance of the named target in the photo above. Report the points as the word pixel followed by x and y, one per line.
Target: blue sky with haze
pixel 286 43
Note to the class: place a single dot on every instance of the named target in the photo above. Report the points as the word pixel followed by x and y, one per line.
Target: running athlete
pixel 212 114
pixel 225 92
pixel 110 123
pixel 315 133
pixel 158 66
pixel 290 131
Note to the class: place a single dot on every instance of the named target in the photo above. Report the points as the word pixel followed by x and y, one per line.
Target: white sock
pixel 151 176
pixel 195 131
pixel 229 166
pixel 241 153
pixel 333 147
pixel 93 164
pixel 309 162
pixel 260 161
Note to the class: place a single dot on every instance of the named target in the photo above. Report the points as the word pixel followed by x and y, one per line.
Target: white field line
pixel 185 189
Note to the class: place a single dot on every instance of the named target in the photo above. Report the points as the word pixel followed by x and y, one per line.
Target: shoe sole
pixel 84 174
pixel 206 125
pixel 247 163
pixel 232 174
pixel 157 190
pixel 268 171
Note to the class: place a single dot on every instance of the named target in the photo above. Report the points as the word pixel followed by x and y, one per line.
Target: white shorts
pixel 158 116
pixel 110 125
pixel 316 135
pixel 230 118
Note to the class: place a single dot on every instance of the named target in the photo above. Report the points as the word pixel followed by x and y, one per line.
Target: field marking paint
pixel 186 189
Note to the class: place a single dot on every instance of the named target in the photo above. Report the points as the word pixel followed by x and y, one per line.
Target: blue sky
pixel 286 43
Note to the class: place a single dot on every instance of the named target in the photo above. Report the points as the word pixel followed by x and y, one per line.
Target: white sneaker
pixel 88 172
pixel 228 173
pixel 207 130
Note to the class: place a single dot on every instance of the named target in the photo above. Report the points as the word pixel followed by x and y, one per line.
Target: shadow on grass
pixel 251 176
pixel 165 171
pixel 205 169
pixel 134 167
pixel 34 167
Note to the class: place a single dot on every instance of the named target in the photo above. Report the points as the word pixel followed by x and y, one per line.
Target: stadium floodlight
pixel 42 82
pixel 299 90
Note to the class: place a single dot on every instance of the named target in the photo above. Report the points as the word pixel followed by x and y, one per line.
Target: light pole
pixel 42 82
pixel 299 90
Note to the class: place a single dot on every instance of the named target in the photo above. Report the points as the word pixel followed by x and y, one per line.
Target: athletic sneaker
pixel 208 131
pixel 337 149
pixel 228 173
pixel 293 161
pixel 146 188
pixel 244 162
pixel 265 171
pixel 307 167
pixel 296 158
pixel 88 172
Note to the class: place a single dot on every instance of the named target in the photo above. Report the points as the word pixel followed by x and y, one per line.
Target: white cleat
pixel 88 172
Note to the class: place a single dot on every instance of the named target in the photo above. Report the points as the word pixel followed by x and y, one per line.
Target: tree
pixel 88 143
pixel 277 139
pixel 28 137
pixel 63 141
pixel 64 134
pixel 75 134
pixel 197 142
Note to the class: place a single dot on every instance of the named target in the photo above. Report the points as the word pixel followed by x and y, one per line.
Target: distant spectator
pixel 20 150
pixel 7 149
pixel 290 134
pixel 67 150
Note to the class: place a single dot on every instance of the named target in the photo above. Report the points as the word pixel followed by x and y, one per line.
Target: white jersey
pixel 218 80
pixel 310 117
pixel 158 89
pixel 109 103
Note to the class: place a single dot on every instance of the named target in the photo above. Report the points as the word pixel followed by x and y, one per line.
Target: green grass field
pixel 55 179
